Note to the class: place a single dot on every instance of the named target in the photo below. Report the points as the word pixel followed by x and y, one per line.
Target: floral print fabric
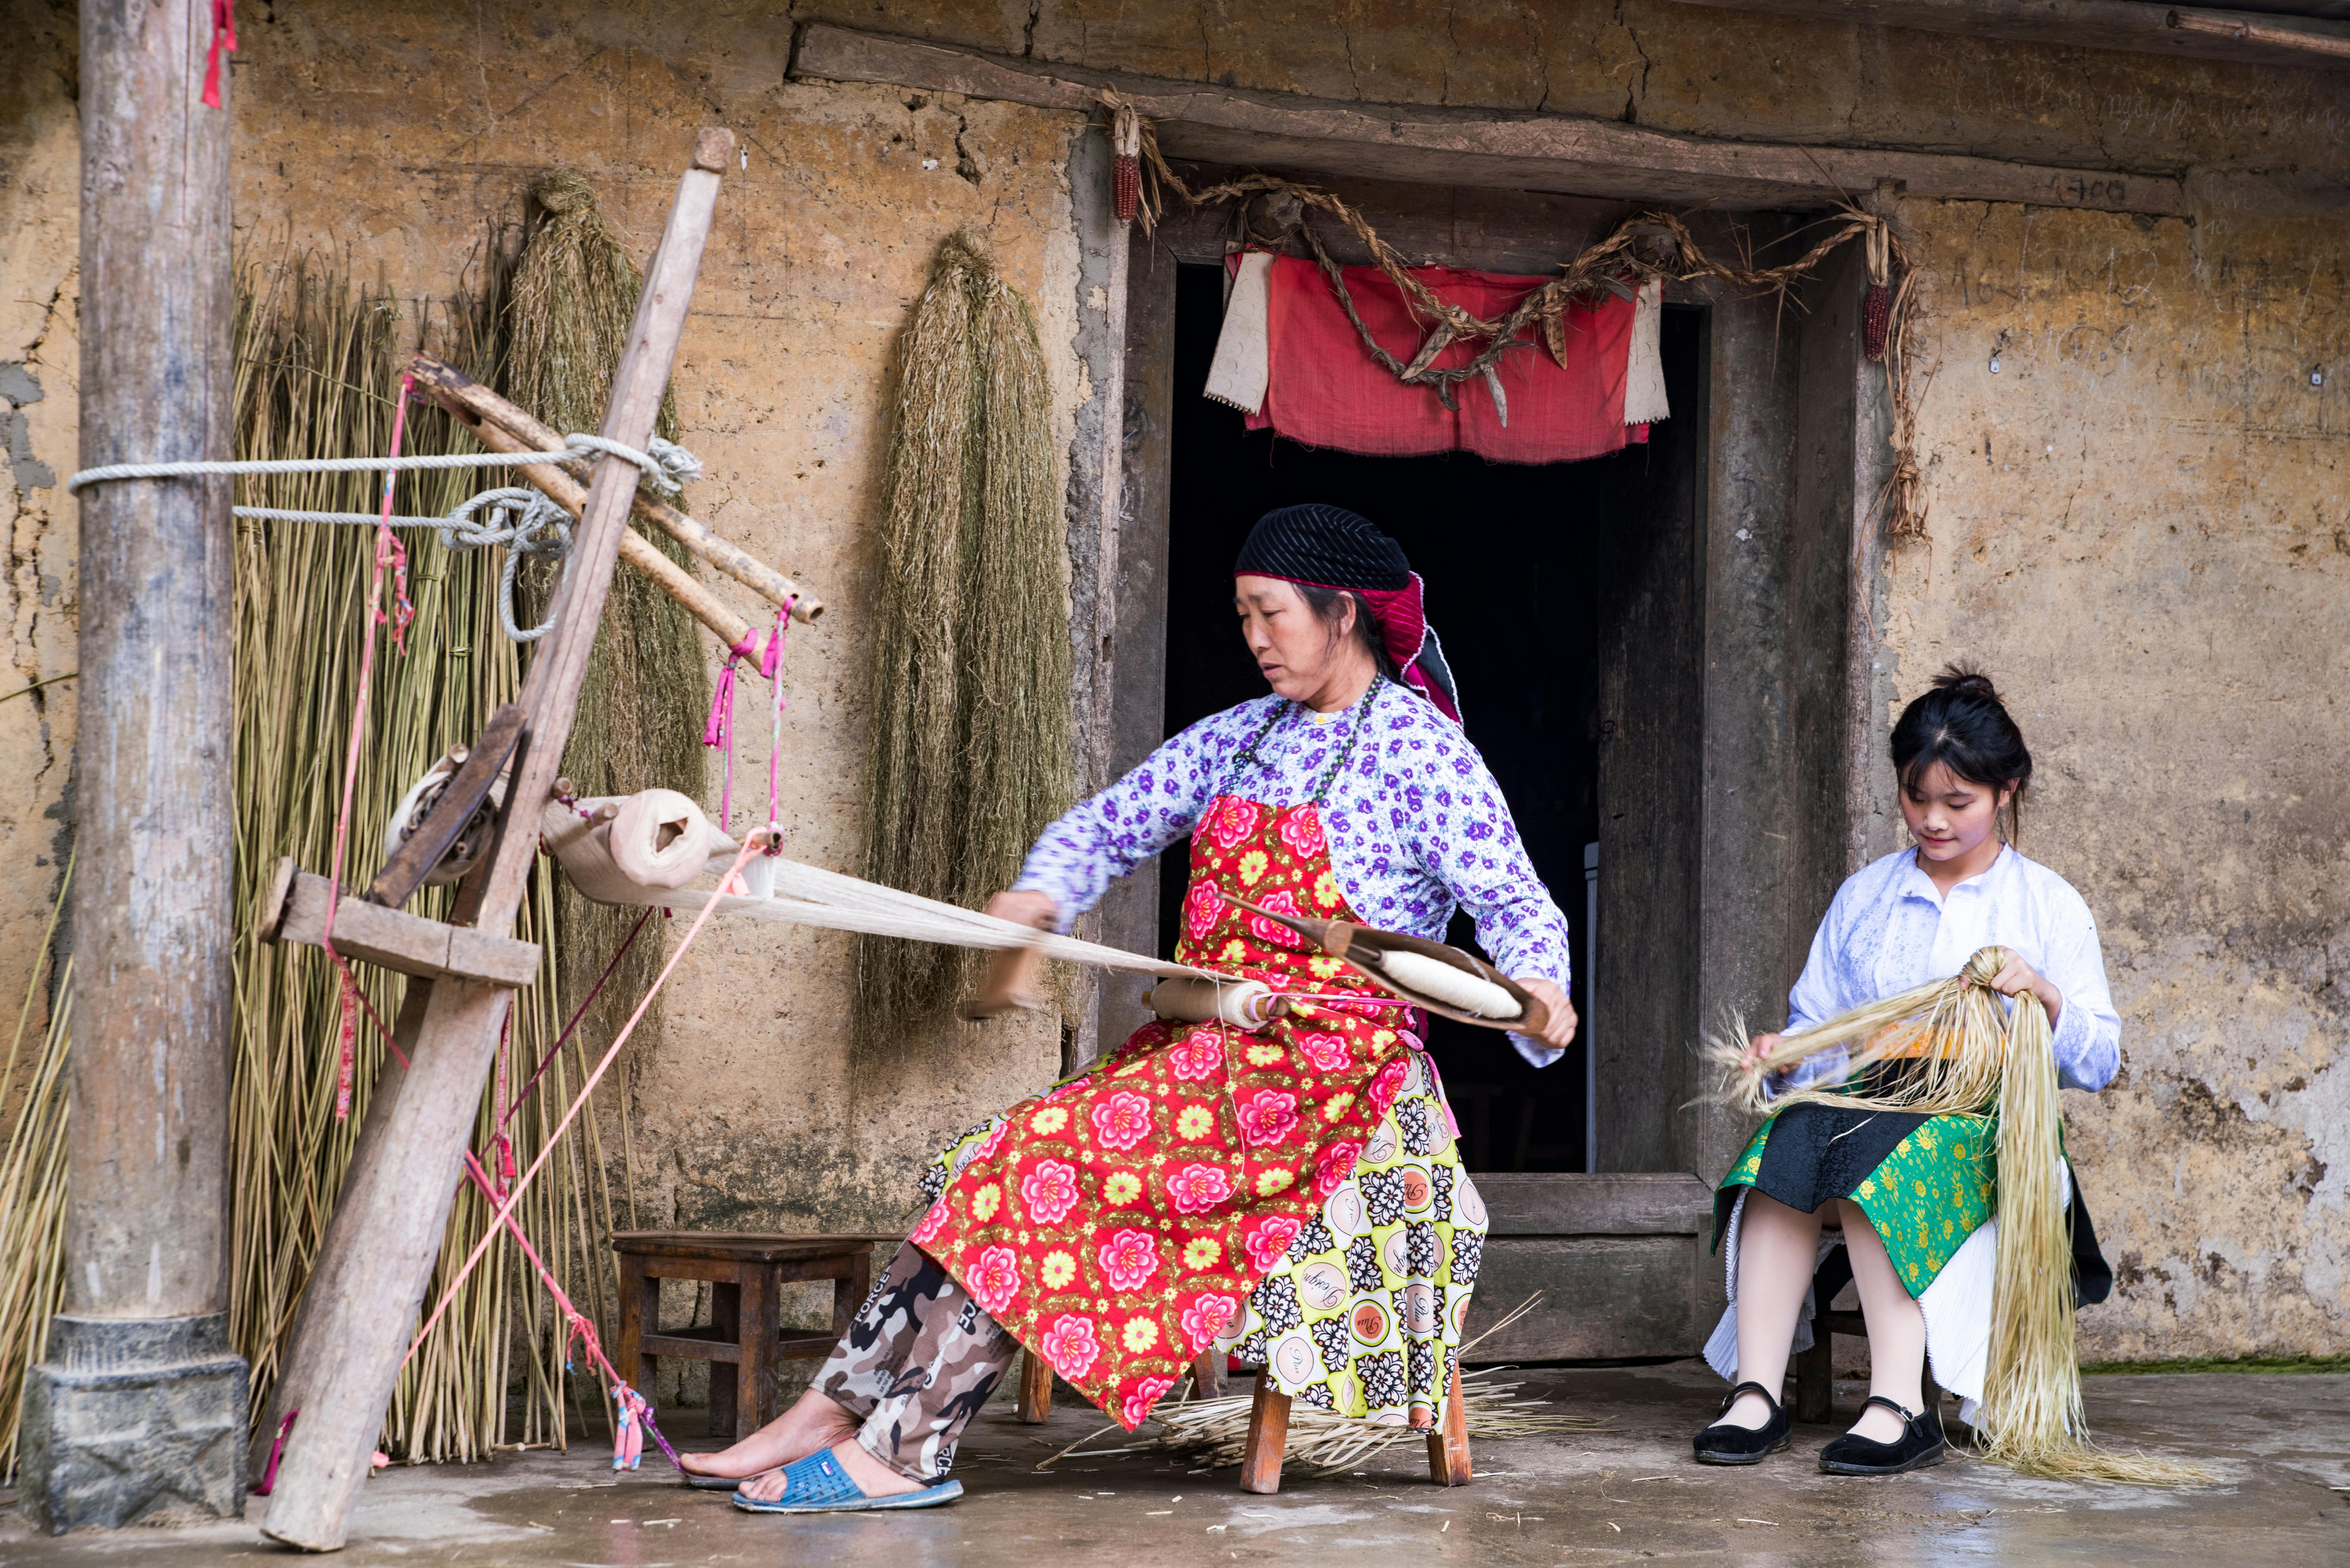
pixel 1363 1314
pixel 1416 825
pixel 1117 1224
pixel 1925 1199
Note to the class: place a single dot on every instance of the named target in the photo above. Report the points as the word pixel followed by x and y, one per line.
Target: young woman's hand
pixel 1759 1046
pixel 1559 1029
pixel 1035 909
pixel 2018 977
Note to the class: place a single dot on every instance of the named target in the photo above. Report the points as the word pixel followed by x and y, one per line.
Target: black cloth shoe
pixel 1921 1443
pixel 1724 1444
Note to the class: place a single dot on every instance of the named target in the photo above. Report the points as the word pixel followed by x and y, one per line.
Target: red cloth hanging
pixel 1325 388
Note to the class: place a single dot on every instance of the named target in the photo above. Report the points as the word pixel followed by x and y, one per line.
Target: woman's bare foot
pixel 872 1477
pixel 1750 1411
pixel 812 1422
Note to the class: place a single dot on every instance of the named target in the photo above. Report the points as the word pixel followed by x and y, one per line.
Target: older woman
pixel 1296 1190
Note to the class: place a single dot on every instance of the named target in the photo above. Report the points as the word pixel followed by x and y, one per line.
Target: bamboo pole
pixel 502 427
pixel 408 1202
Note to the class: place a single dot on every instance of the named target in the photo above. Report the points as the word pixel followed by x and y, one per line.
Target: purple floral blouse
pixel 1416 824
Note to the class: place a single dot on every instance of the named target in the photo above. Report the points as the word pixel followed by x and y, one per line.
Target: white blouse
pixel 1891 928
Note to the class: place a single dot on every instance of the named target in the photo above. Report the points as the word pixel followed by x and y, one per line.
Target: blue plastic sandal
pixel 817 1484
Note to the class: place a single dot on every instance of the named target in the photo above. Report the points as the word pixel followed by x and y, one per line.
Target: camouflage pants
pixel 917 1362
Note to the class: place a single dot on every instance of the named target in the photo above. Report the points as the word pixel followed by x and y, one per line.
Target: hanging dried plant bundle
pixel 1964 1052
pixel 970 684
pixel 647 691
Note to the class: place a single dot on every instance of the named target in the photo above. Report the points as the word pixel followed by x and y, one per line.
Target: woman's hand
pixel 1559 1029
pixel 2018 977
pixel 1759 1046
pixel 1035 909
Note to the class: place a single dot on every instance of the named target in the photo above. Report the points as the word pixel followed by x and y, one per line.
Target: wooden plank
pixel 2241 36
pixel 396 940
pixel 694 1344
pixel 502 427
pixel 1268 1437
pixel 1035 1403
pixel 1427 145
pixel 1603 1297
pixel 749 1246
pixel 1615 1203
pixel 1448 1445
pixel 452 811
pixel 308 1356
pixel 407 1206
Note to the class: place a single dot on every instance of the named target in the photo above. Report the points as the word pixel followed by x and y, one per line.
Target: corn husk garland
pixel 1964 1052
pixel 971 752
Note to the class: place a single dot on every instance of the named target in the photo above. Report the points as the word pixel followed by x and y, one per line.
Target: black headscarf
pixel 1331 548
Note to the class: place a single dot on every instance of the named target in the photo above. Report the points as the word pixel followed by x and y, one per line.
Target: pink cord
pixel 505 1209
pixel 388 553
pixel 578 1325
pixel 581 1011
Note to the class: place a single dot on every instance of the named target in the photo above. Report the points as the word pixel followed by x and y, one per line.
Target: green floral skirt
pixel 1925 1182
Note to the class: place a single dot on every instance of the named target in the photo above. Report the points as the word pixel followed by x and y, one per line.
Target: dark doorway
pixel 1536 578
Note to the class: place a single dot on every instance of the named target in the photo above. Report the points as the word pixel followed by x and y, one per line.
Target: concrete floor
pixel 2281 1445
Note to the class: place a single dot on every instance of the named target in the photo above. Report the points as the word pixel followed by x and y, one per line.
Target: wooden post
pixel 406 1206
pixel 1268 1436
pixel 141 1346
pixel 1034 1405
pixel 1448 1442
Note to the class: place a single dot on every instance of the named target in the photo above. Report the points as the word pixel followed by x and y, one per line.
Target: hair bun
pixel 1961 682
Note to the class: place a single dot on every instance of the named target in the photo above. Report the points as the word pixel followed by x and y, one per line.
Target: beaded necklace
pixel 1362 710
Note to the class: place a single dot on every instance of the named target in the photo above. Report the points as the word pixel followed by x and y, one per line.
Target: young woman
pixel 1908 1194
pixel 1297 1190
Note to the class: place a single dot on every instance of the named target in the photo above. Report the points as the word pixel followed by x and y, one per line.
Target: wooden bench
pixel 745 1341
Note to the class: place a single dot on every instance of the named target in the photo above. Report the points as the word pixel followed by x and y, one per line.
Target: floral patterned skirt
pixel 1362 1314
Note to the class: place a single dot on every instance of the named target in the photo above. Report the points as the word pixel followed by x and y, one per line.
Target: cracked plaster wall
pixel 2138 524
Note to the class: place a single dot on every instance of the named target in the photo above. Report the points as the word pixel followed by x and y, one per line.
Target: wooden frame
pixel 1452 147
pixel 352 1329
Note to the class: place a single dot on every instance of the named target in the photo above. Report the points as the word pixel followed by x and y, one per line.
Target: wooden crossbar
pixel 360 1307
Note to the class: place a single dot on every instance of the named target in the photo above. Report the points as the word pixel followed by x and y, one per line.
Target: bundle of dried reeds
pixel 971 750
pixel 33 1177
pixel 317 376
pixel 646 691
pixel 1214 1432
pixel 1964 1052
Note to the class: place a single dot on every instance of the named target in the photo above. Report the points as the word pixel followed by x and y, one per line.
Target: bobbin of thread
pixel 1249 1005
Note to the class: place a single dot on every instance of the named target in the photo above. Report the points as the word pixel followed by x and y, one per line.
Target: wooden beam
pixel 397 1228
pixel 1427 145
pixel 502 427
pixel 394 938
pixel 2189 34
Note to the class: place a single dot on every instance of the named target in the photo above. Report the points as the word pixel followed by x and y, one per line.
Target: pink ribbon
pixel 223 38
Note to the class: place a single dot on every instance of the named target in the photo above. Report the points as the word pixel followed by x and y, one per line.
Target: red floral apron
pixel 1116 1224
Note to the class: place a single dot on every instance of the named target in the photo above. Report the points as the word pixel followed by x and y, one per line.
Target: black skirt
pixel 1819 1153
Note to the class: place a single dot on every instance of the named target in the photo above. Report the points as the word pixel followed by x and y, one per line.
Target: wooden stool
pixel 747 1270
pixel 1268 1436
pixel 1034 1405
pixel 1816 1367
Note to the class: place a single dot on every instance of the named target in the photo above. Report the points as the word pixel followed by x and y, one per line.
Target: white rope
pixel 665 463
pixel 518 517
